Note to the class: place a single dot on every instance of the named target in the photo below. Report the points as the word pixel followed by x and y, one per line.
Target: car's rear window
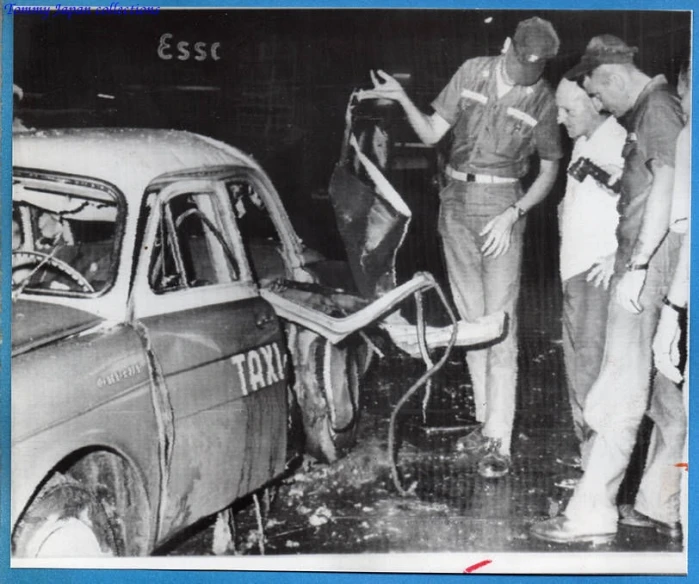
pixel 65 236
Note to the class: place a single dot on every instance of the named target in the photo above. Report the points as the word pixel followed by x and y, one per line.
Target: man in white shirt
pixel 587 222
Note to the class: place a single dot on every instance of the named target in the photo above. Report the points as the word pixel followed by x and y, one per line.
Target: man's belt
pixel 479 178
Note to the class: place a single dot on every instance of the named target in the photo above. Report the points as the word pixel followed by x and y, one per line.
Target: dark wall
pixel 281 84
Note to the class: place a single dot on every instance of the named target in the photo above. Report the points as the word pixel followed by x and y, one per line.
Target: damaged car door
pixel 218 354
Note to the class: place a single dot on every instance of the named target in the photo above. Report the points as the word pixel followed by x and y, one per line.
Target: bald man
pixel 587 222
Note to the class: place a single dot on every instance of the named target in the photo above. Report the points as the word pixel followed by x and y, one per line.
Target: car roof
pixel 129 158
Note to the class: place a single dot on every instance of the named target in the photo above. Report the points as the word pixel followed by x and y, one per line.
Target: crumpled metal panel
pixel 372 220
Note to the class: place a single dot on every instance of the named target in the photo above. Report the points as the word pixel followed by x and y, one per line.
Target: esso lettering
pixel 169 49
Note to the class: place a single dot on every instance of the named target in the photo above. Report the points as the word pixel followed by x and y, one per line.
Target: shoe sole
pixel 474 449
pixel 492 474
pixel 668 532
pixel 598 539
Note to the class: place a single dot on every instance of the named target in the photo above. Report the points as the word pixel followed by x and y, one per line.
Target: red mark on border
pixel 683 465
pixel 477 566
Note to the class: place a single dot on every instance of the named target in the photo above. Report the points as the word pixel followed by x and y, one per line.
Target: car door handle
pixel 262 319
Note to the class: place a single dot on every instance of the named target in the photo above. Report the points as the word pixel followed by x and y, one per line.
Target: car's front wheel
pixel 327 392
pixel 65 520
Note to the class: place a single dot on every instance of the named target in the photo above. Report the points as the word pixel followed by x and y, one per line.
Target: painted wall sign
pixel 168 49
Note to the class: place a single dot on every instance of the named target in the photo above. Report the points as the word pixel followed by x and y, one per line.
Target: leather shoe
pixel 494 465
pixel 563 530
pixel 474 443
pixel 631 518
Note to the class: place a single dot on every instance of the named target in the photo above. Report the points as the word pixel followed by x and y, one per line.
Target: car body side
pixel 154 382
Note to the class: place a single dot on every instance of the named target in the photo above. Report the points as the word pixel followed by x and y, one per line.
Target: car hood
pixel 36 323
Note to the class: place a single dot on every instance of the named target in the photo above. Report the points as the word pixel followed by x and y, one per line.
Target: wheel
pixel 327 391
pixel 26 259
pixel 65 520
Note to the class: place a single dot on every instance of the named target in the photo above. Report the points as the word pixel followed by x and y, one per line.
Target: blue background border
pixel 152 576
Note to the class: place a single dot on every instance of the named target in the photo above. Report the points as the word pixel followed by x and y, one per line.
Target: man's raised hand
pixel 385 87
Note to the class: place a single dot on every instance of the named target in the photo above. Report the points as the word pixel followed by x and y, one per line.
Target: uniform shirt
pixel 587 215
pixel 682 186
pixel 497 136
pixel 653 124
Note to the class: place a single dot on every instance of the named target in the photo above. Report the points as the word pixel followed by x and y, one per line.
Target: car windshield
pixel 64 237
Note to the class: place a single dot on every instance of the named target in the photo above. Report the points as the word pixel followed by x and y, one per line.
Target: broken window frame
pixel 145 301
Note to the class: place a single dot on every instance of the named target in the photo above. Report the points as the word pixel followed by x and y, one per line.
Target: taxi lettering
pixel 259 367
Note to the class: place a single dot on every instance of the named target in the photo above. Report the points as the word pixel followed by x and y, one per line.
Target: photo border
pixel 179 569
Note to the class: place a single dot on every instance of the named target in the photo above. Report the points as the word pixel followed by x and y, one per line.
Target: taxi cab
pixel 171 336
pixel 150 379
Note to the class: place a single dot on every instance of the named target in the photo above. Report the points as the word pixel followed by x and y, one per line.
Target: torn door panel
pixel 336 315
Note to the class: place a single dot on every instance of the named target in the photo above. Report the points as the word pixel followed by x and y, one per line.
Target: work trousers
pixel 484 285
pixel 659 493
pixel 584 328
pixel 619 397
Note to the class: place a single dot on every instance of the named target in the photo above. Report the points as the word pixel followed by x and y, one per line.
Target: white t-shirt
pixel 682 186
pixel 587 216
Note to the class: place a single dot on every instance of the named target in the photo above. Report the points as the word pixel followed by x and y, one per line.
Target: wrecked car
pixel 168 329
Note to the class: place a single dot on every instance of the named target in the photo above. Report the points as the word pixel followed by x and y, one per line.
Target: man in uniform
pixel 587 222
pixel 501 113
pixel 650 111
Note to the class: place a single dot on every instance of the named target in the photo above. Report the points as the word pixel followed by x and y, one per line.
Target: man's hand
pixel 601 272
pixel 498 232
pixel 628 290
pixel 385 87
pixel 666 345
pixel 615 173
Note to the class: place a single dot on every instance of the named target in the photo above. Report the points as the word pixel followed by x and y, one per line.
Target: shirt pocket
pixel 472 103
pixel 514 132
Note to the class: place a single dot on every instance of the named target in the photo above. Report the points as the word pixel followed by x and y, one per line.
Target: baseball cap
pixel 535 41
pixel 604 49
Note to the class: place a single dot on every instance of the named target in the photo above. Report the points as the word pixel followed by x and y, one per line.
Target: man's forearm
pixel 429 129
pixel 540 188
pixel 656 217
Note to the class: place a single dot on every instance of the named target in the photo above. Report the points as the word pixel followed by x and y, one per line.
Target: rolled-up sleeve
pixel 662 123
pixel 547 134
pixel 447 102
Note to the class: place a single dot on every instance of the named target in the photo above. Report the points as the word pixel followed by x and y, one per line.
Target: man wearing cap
pixel 650 111
pixel 501 113
pixel 587 223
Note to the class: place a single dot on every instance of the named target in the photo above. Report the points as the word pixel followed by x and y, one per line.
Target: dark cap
pixel 534 42
pixel 605 49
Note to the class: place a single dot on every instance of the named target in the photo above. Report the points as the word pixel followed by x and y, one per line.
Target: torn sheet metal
pixel 301 307
pixel 372 219
pixel 405 335
pixel 335 315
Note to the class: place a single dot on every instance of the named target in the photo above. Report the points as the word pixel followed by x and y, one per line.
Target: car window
pixel 258 231
pixel 190 249
pixel 64 238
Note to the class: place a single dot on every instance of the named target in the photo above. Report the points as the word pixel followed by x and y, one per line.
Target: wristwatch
pixel 631 266
pixel 520 211
pixel 681 310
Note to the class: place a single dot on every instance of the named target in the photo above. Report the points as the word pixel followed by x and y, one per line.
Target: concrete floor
pixel 500 511
pixel 352 506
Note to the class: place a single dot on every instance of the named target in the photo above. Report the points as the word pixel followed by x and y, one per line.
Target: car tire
pixel 64 520
pixel 323 368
